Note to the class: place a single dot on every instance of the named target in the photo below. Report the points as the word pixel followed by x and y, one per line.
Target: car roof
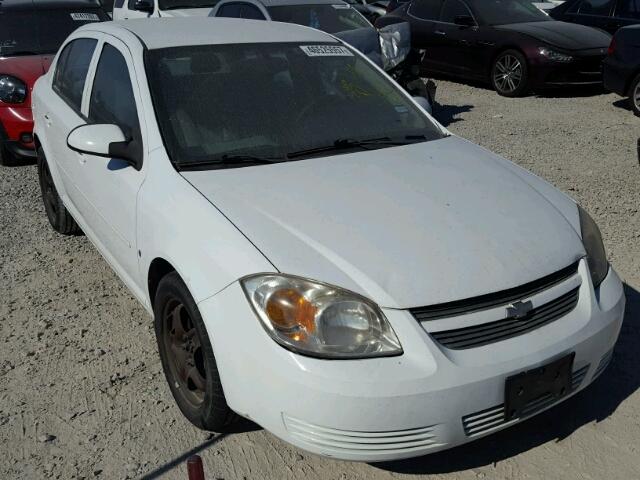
pixel 47 4
pixel 157 33
pixel 282 3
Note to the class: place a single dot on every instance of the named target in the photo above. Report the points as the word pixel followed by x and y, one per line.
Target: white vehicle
pixel 318 253
pixel 131 9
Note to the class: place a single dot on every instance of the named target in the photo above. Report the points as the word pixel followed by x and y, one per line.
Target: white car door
pixel 63 113
pixel 126 9
pixel 111 185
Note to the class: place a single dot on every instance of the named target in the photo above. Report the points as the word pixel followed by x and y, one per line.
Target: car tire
pixel 187 357
pixel 510 74
pixel 58 215
pixel 634 95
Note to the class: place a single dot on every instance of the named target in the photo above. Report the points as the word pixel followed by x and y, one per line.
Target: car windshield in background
pixel 274 102
pixel 328 18
pixel 176 4
pixel 28 32
pixel 503 12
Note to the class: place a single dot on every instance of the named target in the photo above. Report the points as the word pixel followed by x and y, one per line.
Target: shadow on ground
pixel 594 404
pixel 448 114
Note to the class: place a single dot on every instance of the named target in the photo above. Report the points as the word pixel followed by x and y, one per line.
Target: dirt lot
pixel 82 394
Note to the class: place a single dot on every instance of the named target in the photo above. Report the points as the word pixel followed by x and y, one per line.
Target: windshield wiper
pixel 368 144
pixel 226 161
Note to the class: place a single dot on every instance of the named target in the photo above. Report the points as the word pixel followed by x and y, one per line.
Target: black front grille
pixel 484 302
pixel 486 333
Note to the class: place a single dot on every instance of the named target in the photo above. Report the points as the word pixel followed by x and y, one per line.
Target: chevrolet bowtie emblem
pixel 519 310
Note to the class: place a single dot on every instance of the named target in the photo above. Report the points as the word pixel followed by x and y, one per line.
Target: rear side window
pixel 71 70
pixel 452 9
pixel 230 10
pixel 595 7
pixel 112 100
pixel 251 12
pixel 425 9
pixel 629 9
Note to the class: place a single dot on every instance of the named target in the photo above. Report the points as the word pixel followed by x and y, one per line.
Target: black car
pixel 509 43
pixel 622 66
pixel 609 15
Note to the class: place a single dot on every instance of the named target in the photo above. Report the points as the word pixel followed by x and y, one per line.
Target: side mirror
pixel 105 140
pixel 143 6
pixel 424 103
pixel 464 21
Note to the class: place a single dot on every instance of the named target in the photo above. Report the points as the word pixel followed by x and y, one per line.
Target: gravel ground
pixel 82 393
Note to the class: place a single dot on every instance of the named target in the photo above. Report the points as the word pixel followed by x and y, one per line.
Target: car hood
pixel 407 226
pixel 26 68
pixel 186 12
pixel 569 36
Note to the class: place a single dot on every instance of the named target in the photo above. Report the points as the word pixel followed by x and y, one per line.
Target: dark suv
pixel 622 66
pixel 608 15
pixel 31 31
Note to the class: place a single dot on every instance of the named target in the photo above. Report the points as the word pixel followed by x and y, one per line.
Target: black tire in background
pixel 634 95
pixel 58 215
pixel 187 357
pixel 510 74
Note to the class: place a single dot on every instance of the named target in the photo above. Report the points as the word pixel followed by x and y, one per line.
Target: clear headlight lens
pixel 12 89
pixel 554 56
pixel 395 44
pixel 320 320
pixel 596 255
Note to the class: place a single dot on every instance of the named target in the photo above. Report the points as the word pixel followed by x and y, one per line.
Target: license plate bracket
pixel 523 389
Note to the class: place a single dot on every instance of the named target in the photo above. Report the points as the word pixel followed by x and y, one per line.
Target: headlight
pixel 554 56
pixel 395 44
pixel 596 255
pixel 12 89
pixel 320 320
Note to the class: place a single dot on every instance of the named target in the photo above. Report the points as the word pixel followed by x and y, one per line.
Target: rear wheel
pixel 187 357
pixel 58 215
pixel 634 95
pixel 510 75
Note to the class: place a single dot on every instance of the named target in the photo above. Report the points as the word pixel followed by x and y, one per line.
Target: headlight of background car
pixel 320 320
pixel 596 255
pixel 554 56
pixel 12 89
pixel 395 43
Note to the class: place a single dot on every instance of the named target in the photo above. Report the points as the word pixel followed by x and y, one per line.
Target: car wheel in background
pixel 187 357
pixel 634 95
pixel 58 215
pixel 509 74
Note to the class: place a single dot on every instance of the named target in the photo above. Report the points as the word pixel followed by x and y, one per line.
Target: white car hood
pixel 408 226
pixel 186 12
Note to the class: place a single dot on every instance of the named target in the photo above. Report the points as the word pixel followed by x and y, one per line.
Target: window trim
pixel 463 3
pixel 437 19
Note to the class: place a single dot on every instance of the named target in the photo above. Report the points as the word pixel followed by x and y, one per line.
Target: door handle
pixel 440 32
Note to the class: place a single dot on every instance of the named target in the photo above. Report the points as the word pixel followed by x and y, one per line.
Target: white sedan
pixel 318 253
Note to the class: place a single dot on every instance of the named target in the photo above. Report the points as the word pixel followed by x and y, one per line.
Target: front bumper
pixel 584 70
pixel 14 123
pixel 429 399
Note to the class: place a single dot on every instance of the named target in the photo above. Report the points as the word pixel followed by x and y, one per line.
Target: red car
pixel 31 31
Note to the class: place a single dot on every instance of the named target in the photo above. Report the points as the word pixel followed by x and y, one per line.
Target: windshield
pixel 503 12
pixel 274 101
pixel 328 18
pixel 28 32
pixel 176 4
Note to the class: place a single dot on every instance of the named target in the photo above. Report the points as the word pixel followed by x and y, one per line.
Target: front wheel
pixel 187 357
pixel 510 75
pixel 634 95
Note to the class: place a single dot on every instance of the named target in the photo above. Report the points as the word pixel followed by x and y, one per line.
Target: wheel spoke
pixel 176 327
pixel 194 375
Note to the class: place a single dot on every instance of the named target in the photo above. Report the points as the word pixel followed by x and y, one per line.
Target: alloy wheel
pixel 186 359
pixel 508 73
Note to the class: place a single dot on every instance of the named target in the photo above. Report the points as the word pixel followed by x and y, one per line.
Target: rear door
pixel 593 13
pixel 64 112
pixel 423 16
pixel 627 13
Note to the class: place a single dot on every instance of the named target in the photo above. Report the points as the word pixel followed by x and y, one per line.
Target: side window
pixel 131 4
pixel 425 9
pixel 71 70
pixel 628 9
pixel 452 9
pixel 252 12
pixel 112 99
pixel 231 10
pixel 595 7
pixel 118 4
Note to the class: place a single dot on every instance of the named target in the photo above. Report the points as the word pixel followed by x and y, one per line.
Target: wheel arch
pixel 632 77
pixel 158 269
